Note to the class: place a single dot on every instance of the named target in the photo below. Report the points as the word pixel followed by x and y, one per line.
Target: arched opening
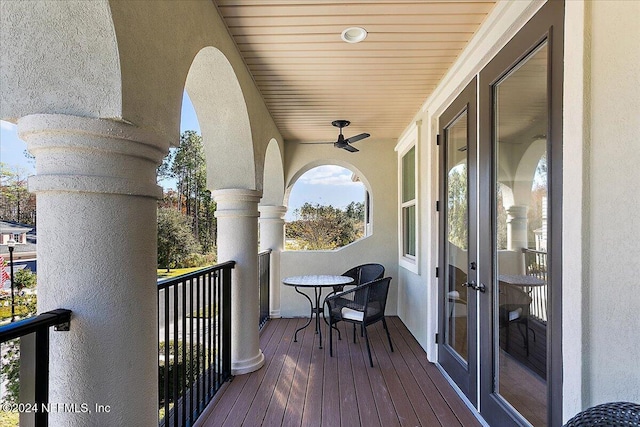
pixel 328 208
pixel 273 183
pixel 219 103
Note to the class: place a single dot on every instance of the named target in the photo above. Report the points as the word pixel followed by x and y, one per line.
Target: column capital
pixel 517 211
pixel 92 155
pixel 236 195
pixel 272 212
pixel 236 202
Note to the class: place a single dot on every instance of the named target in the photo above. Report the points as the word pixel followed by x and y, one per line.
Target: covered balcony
pixel 502 153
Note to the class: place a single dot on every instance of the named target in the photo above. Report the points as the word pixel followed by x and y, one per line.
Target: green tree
pixel 457 207
pixel 320 227
pixel 187 166
pixel 24 278
pixel 16 203
pixel 175 240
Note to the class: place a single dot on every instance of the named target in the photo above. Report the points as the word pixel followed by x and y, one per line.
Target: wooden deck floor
pixel 300 385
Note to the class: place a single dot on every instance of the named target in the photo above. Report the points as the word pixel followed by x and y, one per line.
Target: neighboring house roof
pixel 7 227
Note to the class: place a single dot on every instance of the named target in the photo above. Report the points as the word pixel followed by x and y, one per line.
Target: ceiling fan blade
pixel 357 138
pixel 350 148
pixel 333 142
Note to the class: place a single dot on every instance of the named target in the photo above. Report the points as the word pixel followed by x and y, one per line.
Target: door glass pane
pixel 521 244
pixel 457 236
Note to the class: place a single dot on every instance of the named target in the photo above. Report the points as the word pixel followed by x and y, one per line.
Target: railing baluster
pixel 184 354
pixel 197 405
pixel 39 325
pixel 536 265
pixel 176 354
pixel 201 352
pixel 167 358
pixel 264 260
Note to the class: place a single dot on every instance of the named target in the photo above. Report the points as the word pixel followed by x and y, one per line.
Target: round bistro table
pixel 317 282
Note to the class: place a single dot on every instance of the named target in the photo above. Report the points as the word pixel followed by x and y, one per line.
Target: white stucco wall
pixel 157 43
pixel 611 298
pixel 72 68
pixel 376 162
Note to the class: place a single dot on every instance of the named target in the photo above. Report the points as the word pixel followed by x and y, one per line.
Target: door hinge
pixel 438 206
pixel 438 139
pixel 437 342
pixel 437 272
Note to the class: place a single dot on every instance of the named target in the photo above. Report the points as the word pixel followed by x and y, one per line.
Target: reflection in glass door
pixel 457 242
pixel 458 314
pixel 520 236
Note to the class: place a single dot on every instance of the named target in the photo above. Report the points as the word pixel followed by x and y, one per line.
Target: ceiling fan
pixel 343 142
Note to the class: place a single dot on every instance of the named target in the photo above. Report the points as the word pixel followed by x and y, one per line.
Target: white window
pixel 408 201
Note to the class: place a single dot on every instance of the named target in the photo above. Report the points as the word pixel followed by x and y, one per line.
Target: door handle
pixel 472 284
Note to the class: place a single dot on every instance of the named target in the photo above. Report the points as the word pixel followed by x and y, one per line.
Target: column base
pixel 247 366
pixel 275 314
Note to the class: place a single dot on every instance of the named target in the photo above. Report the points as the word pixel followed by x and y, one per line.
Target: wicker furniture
pixel 317 282
pixel 363 305
pixel 361 274
pixel 613 414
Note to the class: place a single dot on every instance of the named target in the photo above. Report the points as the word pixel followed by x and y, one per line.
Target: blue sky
pixel 326 185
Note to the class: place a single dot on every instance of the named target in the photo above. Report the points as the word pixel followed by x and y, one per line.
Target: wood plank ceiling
pixel 309 77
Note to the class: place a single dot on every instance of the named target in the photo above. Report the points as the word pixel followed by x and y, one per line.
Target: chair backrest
pixel 376 299
pixel 513 296
pixel 362 274
pixel 607 414
pixel 365 273
pixel 370 272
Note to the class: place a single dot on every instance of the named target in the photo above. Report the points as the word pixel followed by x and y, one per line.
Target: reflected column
pixel 517 227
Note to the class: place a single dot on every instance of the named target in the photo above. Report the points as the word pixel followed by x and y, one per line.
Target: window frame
pixel 406 143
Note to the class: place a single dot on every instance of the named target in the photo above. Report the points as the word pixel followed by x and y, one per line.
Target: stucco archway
pixel 273 183
pixel 217 98
pixel 326 162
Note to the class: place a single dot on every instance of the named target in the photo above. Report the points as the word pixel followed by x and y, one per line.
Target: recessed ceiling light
pixel 354 34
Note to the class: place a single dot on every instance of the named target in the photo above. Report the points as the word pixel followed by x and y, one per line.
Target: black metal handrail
pixel 264 273
pixel 60 319
pixel 194 348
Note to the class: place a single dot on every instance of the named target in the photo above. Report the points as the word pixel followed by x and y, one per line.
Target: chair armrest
pixel 345 294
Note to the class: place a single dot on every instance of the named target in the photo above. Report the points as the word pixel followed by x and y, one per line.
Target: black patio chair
pixel 361 274
pixel 363 305
pixel 514 309
pixel 612 414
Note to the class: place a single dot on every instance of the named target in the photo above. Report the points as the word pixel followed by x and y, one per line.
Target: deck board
pixel 301 385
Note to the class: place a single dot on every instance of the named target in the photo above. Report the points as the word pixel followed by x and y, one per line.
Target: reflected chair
pixel 457 302
pixel 363 305
pixel 514 306
pixel 619 414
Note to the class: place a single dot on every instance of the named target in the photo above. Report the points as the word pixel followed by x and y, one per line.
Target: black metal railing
pixel 535 263
pixel 194 331
pixel 264 271
pixel 38 325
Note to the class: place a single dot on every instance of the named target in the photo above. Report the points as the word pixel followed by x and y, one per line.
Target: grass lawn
pixel 174 272
pixel 9 419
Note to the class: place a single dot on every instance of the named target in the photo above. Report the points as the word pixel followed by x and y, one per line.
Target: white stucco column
pixel 97 198
pixel 237 214
pixel 517 227
pixel 272 237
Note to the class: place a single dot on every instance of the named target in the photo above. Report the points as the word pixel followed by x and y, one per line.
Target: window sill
pixel 410 264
